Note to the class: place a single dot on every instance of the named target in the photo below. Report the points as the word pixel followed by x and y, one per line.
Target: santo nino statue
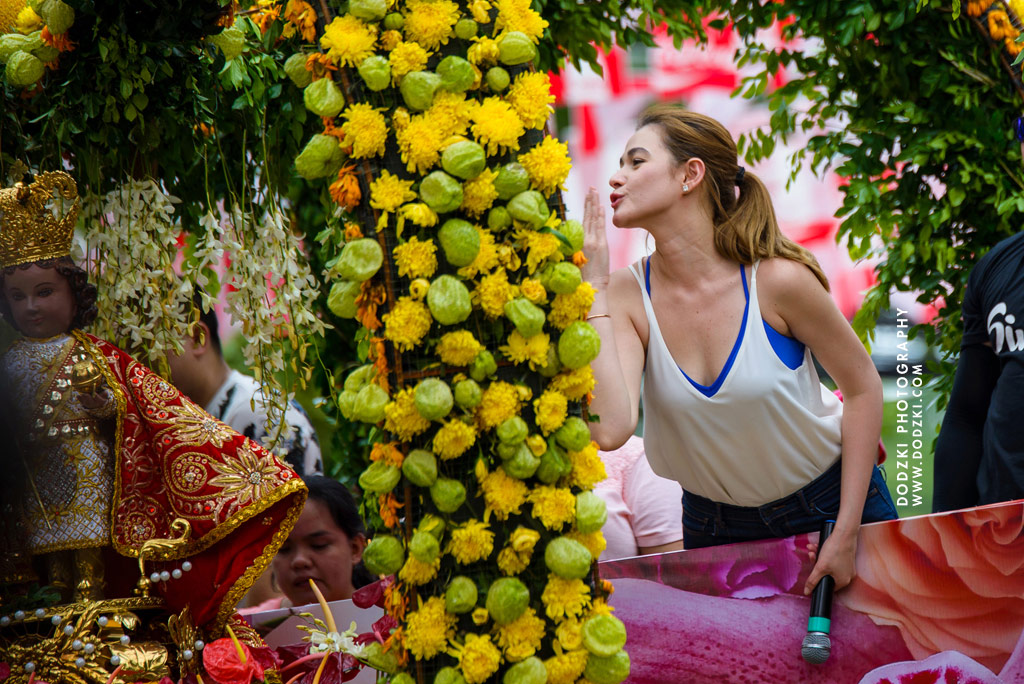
pixel 114 462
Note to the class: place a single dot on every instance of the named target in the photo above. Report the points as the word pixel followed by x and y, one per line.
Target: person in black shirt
pixel 979 456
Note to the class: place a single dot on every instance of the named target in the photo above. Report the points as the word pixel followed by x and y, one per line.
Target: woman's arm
pixel 809 314
pixel 618 368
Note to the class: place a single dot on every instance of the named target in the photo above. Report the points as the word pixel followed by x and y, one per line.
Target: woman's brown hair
pixel 746 229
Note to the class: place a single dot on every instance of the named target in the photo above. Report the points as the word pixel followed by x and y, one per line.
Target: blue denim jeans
pixel 710 523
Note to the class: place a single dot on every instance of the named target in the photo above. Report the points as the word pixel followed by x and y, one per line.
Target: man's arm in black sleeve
pixel 958 449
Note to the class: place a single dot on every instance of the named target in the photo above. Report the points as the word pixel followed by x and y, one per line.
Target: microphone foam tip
pixel 816 648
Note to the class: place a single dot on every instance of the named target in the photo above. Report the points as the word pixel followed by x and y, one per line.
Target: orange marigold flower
pixel 579 259
pixel 378 357
pixel 320 65
pixel 389 506
pixel 353 231
pixel 60 42
pixel 387 452
pixel 370 297
pixel 302 16
pixel 345 191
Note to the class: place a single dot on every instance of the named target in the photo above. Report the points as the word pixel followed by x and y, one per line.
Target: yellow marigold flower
pixel 571 307
pixel 419 143
pixel 594 541
pixel 458 348
pixel 511 562
pixel 389 40
pixel 524 539
pixel 503 494
pixel 428 629
pixel 516 15
pixel 420 214
pixel 402 418
pixel 564 598
pixel 551 408
pixel 500 402
pixel 492 292
pixel 601 606
pixel 587 467
pixel 478 658
pixel 348 41
pixel 540 247
pixel 416 259
pixel 522 637
pixel 566 668
pixel 478 194
pixel 574 384
pixel 388 192
pixel 400 118
pixel 553 506
pixel 530 95
pixel 365 130
pixel 547 165
pixel 483 52
pixel 532 289
pixel 481 11
pixel 537 444
pixel 496 126
pixel 480 616
pixel 430 22
pixel 407 57
pixel 26 22
pixel 407 323
pixel 418 573
pixel 471 542
pixel 570 634
pixel 453 439
pixel 450 113
pixel 522 350
pixel 486 259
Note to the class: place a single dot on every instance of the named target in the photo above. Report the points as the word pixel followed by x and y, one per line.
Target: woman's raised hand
pixel 595 242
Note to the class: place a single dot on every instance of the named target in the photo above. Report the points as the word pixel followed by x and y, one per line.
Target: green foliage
pixel 910 106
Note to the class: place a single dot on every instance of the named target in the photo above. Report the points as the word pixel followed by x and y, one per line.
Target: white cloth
pixel 239 402
pixel 643 509
pixel 765 433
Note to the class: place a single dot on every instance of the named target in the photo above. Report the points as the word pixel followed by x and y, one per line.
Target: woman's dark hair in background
pixel 83 291
pixel 339 502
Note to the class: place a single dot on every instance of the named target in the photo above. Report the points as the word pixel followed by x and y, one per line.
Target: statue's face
pixel 41 301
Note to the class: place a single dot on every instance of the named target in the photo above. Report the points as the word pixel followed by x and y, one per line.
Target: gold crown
pixel 31 225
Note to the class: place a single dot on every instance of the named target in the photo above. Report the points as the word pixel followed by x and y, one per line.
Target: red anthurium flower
pixel 224 666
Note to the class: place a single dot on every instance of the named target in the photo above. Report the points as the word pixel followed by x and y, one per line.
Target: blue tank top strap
pixel 789 349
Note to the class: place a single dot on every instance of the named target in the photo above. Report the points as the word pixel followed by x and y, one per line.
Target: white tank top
pixel 759 433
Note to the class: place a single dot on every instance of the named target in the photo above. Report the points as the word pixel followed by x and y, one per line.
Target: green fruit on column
pixel 379 659
pixel 420 467
pixel 498 218
pixel 323 98
pixel 573 232
pixel 574 434
pixel 384 555
pixel 433 398
pixel 441 192
pixel 375 71
pixel 512 179
pixel 506 451
pixel 449 675
pixel 355 380
pixel 23 69
pixel 604 635
pixel 515 47
pixel 483 366
pixel 403 678
pixel 360 260
pixel 561 278
pixel 447 494
pixel 11 43
pixel 432 524
pixel 591 512
pixel 468 394
pixel 369 404
pixel 460 241
pixel 607 670
pixel 567 558
pixel 394 22
pixel 295 67
pixel 346 400
pixel 551 364
pixel 578 345
pixel 461 595
pixel 529 671
pixel 368 10
pixel 497 79
pixel 507 599
pixel 341 300
pixel 523 463
pixel 59 16
pixel 554 464
pixel 46 53
pixel 380 477
pixel 513 430
pixel 464 159
pixel 465 29
pixel 418 88
pixel 449 301
pixel 457 74
pixel 321 157
pixel 525 315
pixel 424 547
pixel 529 207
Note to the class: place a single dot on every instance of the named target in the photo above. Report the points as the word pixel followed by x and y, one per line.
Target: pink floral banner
pixel 938 599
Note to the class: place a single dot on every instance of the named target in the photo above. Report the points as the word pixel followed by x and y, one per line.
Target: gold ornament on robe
pixel 86 377
pixel 35 224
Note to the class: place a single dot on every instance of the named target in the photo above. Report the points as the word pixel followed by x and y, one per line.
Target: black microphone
pixel 817 646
